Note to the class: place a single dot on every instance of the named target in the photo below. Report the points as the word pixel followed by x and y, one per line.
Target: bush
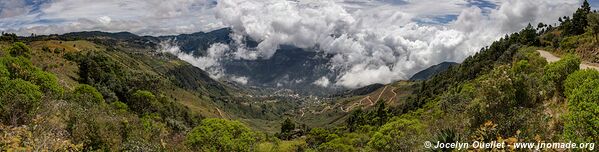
pixel 221 135
pixel 20 49
pixel 144 102
pixel 558 71
pixel 398 135
pixel 337 145
pixel 578 78
pixel 87 94
pixel 317 136
pixel 582 124
pixel 18 100
pixel 48 82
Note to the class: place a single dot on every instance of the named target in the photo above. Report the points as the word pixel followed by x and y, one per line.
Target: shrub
pixel 87 94
pixel 578 78
pixel 18 100
pixel 558 71
pixel 144 102
pixel 48 82
pixel 398 135
pixel 582 124
pixel 20 49
pixel 221 135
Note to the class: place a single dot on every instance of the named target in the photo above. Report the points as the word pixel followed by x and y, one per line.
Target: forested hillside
pixel 95 91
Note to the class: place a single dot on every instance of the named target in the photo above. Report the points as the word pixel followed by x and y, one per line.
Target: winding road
pixel 552 58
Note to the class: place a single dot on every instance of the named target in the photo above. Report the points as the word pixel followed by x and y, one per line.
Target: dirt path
pixel 220 113
pixel 394 95
pixel 552 58
pixel 378 98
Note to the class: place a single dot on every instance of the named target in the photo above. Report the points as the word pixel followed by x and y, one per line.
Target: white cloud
pixel 209 63
pixel 239 79
pixel 12 8
pixel 322 82
pixel 380 43
pixel 145 17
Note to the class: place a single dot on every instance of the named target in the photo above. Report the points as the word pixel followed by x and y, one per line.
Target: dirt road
pixel 552 58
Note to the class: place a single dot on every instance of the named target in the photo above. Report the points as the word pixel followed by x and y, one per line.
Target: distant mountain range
pixel 289 68
pixel 433 70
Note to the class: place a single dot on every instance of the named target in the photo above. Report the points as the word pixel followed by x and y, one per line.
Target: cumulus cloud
pixel 209 63
pixel 144 17
pixel 322 82
pixel 239 79
pixel 381 43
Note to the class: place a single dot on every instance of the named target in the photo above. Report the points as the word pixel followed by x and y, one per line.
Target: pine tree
pixel 579 19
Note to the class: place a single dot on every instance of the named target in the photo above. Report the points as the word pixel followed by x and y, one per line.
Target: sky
pixel 371 41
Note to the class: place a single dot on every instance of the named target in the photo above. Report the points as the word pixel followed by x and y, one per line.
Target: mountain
pixel 290 67
pixel 435 69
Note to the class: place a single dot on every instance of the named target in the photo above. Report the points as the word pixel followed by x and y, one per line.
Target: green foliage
pixel 93 127
pixel 287 128
pixel 579 78
pixel 558 71
pixel 18 99
pixel 447 136
pixel 87 94
pixel 500 52
pixel 221 135
pixel 569 43
pixel 48 82
pixel 9 37
pixel 20 49
pixel 4 71
pixel 495 99
pixel 152 126
pixel 376 117
pixel 22 68
pixel 317 136
pixel 528 36
pixel 144 102
pixel 582 123
pixel 120 106
pixel 593 20
pixel 578 23
pixel 398 135
pixel 337 145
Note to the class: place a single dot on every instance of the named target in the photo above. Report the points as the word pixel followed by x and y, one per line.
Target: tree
pixel 18 100
pixel 593 20
pixel 528 36
pixel 579 20
pixel 221 135
pixel 287 128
